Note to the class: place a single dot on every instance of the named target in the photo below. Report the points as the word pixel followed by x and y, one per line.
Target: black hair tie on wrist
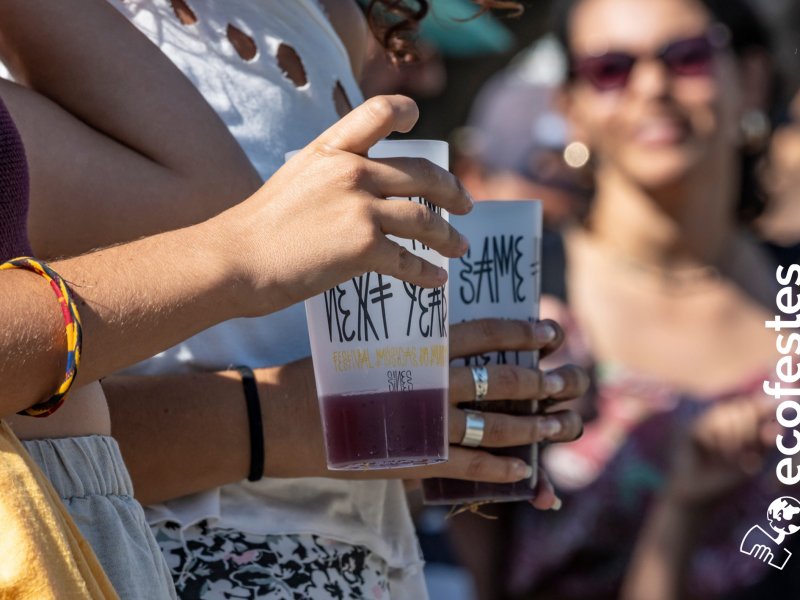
pixel 254 421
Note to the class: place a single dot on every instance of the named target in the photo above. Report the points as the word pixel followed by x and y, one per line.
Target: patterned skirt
pixel 210 563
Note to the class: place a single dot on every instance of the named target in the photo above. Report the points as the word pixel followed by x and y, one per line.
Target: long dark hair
pixel 394 22
pixel 748 33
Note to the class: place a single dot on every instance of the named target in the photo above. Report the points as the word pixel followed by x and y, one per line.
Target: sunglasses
pixel 689 57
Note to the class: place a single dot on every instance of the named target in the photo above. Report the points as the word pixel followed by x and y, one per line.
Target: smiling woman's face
pixel 662 125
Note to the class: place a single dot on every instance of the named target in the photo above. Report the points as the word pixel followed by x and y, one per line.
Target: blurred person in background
pixel 513 149
pixel 780 224
pixel 675 467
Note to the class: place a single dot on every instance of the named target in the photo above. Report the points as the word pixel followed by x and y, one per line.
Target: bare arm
pixel 722 449
pixel 662 554
pixel 132 303
pixel 152 156
pixel 317 222
pixel 181 434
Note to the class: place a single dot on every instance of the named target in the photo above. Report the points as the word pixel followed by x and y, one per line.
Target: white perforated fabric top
pixel 269 115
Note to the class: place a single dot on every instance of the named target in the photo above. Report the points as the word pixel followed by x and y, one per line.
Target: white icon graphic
pixel 784 519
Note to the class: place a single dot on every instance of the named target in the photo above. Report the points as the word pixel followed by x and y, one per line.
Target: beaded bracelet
pixel 72 324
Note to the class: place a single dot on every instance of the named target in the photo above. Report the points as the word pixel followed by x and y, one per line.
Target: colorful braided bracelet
pixel 72 324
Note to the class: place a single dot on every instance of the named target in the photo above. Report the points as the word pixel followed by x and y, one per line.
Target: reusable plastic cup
pixel 380 352
pixel 499 277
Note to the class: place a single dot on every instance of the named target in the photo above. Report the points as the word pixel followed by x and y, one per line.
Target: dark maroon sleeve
pixel 14 188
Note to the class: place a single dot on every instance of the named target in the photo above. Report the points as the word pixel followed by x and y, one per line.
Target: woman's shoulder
pixel 349 23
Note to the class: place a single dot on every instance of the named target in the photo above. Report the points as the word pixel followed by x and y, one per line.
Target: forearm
pixel 154 156
pixel 182 434
pixel 304 231
pixel 662 554
pixel 185 433
pixel 179 434
pixel 134 300
pixel 32 341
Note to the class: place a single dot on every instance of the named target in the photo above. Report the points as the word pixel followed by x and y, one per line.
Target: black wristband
pixel 254 421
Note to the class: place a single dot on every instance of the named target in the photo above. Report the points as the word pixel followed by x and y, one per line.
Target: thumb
pixel 369 123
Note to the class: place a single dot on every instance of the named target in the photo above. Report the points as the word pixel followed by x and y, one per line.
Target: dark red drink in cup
pixel 409 435
pixel 499 277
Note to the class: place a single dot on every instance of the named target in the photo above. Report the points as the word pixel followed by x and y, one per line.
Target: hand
pixel 721 450
pixel 322 218
pixel 293 429
pixel 508 382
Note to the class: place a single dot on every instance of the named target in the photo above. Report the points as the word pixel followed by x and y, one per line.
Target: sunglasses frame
pixel 717 37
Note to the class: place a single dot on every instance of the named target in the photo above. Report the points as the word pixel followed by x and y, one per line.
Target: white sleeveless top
pixel 269 115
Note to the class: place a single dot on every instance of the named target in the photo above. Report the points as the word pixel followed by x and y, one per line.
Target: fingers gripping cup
pixel 380 352
pixel 498 277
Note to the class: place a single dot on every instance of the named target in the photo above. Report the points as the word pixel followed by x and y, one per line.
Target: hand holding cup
pixel 508 382
pixel 322 218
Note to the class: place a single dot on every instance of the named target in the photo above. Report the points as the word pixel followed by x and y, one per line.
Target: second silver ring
pixel 481 378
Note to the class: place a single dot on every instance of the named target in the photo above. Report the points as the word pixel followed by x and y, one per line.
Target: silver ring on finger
pixel 481 378
pixel 476 425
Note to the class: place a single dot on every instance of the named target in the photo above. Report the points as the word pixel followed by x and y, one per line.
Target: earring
pixel 577 155
pixel 755 130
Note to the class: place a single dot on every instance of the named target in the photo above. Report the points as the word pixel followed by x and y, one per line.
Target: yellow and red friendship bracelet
pixel 72 322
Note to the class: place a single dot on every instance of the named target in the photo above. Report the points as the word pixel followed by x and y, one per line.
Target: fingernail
pixel 556 504
pixel 523 471
pixel 550 427
pixel 553 384
pixel 544 333
pixel 464 246
pixel 470 200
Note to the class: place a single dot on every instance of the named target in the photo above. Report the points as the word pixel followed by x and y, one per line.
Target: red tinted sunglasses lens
pixel 689 57
pixel 609 71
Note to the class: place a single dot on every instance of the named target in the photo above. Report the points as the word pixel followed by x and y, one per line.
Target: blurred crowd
pixel 662 138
